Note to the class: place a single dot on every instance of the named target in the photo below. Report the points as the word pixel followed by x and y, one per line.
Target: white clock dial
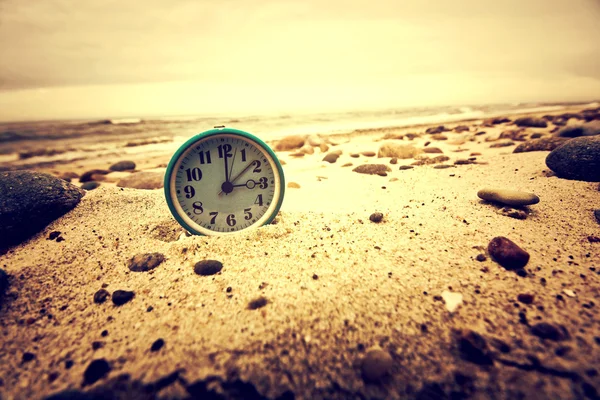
pixel 225 183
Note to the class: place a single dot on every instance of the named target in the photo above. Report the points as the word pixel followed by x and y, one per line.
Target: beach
pixel 366 285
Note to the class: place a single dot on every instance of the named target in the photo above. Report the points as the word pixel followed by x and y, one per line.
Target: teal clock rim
pixel 213 132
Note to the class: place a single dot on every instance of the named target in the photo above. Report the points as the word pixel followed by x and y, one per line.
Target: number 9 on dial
pixel 223 181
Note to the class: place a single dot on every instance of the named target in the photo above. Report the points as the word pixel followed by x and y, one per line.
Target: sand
pixel 336 285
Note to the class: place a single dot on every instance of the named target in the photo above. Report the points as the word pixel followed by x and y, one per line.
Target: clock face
pixel 223 183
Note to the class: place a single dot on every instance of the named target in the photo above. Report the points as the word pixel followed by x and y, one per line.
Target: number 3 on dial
pixel 223 181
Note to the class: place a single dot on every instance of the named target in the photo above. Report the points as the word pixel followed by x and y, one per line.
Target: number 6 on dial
pixel 223 181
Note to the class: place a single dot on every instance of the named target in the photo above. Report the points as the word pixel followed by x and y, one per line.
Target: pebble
pixel 502 144
pixel 427 161
pixel 569 292
pixel 432 150
pixel 147 180
pixel 439 136
pixel 461 128
pixel 507 253
pixel 97 370
pixel 531 122
pixel 145 262
pixel 572 131
pixel 436 129
pixel 512 213
pixel 597 215
pixel 290 143
pixel 544 144
pixel 91 185
pixel 509 197
pixel 157 345
pixel 257 303
pixel 473 348
pixel 525 298
pixel 394 161
pixel 100 296
pixel 514 134
pixel 396 150
pixel 124 165
pixel 577 159
pixel 376 217
pixel 87 176
pixel 293 185
pixel 208 267
pixel 405 167
pixel 481 257
pixel 452 300
pixel 372 169
pixel 368 153
pixel 443 166
pixel 548 331
pixel 497 120
pixel 376 364
pixel 67 176
pixel 120 297
pixel 31 200
pixel 331 157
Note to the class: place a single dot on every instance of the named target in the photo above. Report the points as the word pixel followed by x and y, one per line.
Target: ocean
pixel 31 144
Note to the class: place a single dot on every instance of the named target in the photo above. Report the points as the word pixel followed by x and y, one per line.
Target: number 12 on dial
pixel 223 181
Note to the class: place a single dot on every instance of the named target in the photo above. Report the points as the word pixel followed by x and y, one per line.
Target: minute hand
pixel 240 174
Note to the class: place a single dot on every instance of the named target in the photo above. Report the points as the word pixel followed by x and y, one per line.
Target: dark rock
pixel 514 134
pixel 100 296
pixel 145 262
pixel 432 150
pixel 208 267
pixel 548 331
pixel 405 167
pixel 464 162
pixel 429 161
pixel 502 144
pixel 597 215
pixel 498 120
pixel 147 180
pixel 120 297
pixel 372 169
pixel 3 284
pixel 331 157
pixel 577 159
pixel 436 129
pixel 97 370
pixel 473 347
pixel 258 303
pixel 157 345
pixel 124 165
pixel 531 122
pixel 507 253
pixel 394 161
pixel 87 176
pixel 29 201
pixel 525 298
pixel 376 364
pixel 544 144
pixel 376 217
pixel 461 128
pixel 91 185
pixel 27 356
pixel 443 166
pixel 439 136
pixel 481 257
pixel 573 131
pixel 536 135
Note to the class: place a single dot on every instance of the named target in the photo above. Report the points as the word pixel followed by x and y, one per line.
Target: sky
pixel 108 58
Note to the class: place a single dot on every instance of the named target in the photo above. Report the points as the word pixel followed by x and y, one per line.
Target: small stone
pixel 439 136
pixel 208 267
pixel 91 185
pixel 347 165
pixel 512 213
pixel 100 296
pixel 290 143
pixel 572 131
pixel 368 153
pixel 68 176
pixel 577 159
pixel 157 345
pixel 509 197
pixel 525 298
pixel 120 297
pixel 293 185
pixel 405 167
pixel 461 128
pixel 376 364
pixel 372 169
pixel 27 356
pixel 548 331
pixel 443 166
pixel 544 144
pixel 432 150
pixel 396 150
pixel 124 165
pixel 531 122
pixel 507 253
pixel 97 370
pixel 481 257
pixel 473 347
pixel 376 217
pixel 452 300
pixel 87 176
pixel 502 144
pixel 257 303
pixel 436 129
pixel 394 161
pixel 331 157
pixel 146 180
pixel 315 277
pixel 145 262
pixel 569 292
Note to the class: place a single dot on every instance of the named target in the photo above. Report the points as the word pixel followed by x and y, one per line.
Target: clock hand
pixel 240 174
pixel 232 162
pixel 226 171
